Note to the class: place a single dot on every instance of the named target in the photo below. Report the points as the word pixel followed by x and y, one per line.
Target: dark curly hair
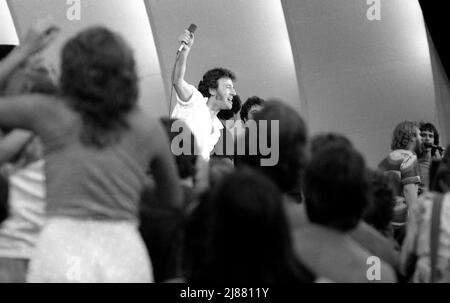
pixel 403 135
pixel 252 101
pixel 211 78
pixel 100 82
pixel 427 126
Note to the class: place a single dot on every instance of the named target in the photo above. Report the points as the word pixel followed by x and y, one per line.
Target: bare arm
pixel 8 65
pixel 410 193
pixel 26 112
pixel 12 143
pixel 184 91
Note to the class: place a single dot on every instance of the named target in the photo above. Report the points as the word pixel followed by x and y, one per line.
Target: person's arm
pixel 36 39
pixel 9 64
pixel 168 190
pixel 26 112
pixel 408 253
pixel 183 89
pixel 12 143
pixel 410 192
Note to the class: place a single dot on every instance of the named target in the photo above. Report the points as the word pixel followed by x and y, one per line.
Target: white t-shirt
pixel 196 114
pixel 19 232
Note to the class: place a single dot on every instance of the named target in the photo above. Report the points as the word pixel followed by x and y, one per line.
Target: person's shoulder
pixel 51 110
pixel 196 98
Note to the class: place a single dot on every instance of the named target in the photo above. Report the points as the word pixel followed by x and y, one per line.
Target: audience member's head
pixel 407 136
pixel 248 238
pixel 429 133
pixel 290 141
pixel 440 174
pixel 430 136
pixel 211 80
pixel 228 114
pixel 322 140
pixel 380 210
pixel 251 107
pixel 219 168
pixel 186 162
pixel 336 187
pixel 100 82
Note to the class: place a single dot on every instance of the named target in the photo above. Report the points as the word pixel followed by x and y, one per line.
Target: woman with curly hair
pixel 97 146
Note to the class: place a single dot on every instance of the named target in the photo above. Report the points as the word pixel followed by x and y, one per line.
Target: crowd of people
pixel 93 189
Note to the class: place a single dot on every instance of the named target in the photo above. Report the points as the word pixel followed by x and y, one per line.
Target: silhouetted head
pixel 98 76
pixel 336 187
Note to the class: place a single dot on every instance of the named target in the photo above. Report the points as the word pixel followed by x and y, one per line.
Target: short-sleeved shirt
pixel 403 166
pixel 197 115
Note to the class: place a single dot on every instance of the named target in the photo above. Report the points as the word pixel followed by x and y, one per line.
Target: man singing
pixel 198 108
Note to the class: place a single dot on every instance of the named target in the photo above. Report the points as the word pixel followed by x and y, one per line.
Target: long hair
pixel 248 238
pixel 403 135
pixel 99 80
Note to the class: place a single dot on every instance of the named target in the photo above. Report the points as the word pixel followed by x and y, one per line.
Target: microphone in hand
pixel 432 146
pixel 191 30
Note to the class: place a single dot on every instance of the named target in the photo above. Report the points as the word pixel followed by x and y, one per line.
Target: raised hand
pixel 188 39
pixel 39 37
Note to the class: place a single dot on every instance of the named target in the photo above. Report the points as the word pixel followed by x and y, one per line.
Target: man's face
pixel 418 148
pixel 253 110
pixel 427 137
pixel 224 93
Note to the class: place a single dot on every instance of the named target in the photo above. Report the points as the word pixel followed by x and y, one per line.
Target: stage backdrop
pixel 340 70
pixel 361 77
pixel 247 36
pixel 128 18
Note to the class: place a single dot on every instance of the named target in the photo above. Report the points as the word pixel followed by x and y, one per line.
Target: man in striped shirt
pixel 402 167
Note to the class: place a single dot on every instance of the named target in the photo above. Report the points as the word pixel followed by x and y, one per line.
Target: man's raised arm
pixel 184 91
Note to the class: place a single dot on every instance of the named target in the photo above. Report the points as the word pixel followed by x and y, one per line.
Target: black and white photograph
pixel 230 148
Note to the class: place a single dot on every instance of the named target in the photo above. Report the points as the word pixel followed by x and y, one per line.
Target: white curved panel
pixel 8 33
pixel 129 18
pixel 361 78
pixel 248 37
